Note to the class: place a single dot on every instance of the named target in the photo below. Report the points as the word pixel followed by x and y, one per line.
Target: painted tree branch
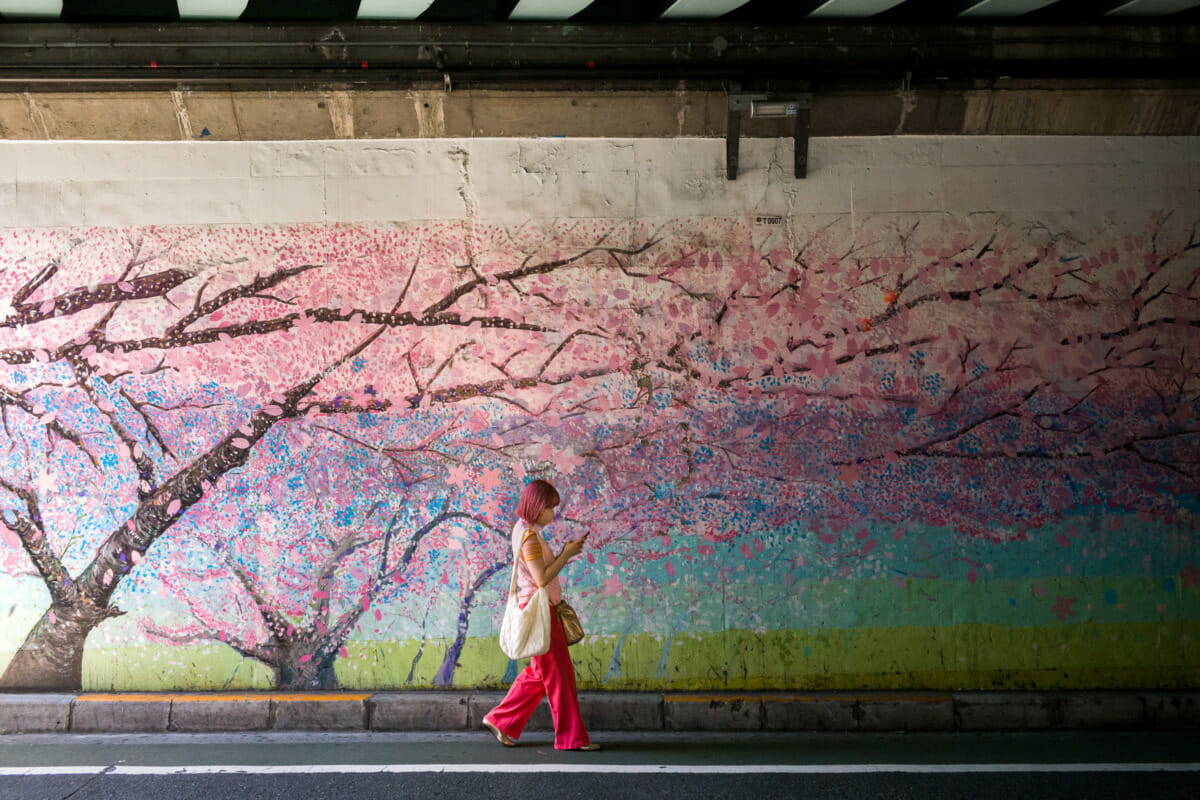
pixel 276 623
pixel 53 650
pixel 10 398
pixel 264 653
pixel 141 459
pixel 29 530
pixel 445 673
pixel 155 285
pixel 526 270
pixel 252 289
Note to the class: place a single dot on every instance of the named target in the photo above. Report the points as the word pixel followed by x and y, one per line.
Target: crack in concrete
pixel 431 114
pixel 908 102
pixel 181 114
pixel 36 115
pixel 341 114
pixel 461 153
pixel 106 771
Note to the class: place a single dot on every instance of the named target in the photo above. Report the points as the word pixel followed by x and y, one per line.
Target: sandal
pixel 589 747
pixel 500 735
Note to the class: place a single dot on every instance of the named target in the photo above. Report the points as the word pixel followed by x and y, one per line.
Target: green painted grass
pixel 1142 655
pixel 154 668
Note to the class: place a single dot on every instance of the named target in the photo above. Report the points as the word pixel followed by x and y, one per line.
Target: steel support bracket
pixel 765 105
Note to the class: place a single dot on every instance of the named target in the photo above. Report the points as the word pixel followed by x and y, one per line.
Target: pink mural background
pixel 273 437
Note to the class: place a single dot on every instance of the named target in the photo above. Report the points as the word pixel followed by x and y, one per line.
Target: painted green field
pixel 969 656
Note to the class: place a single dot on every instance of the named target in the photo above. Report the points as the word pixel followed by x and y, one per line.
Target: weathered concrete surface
pixel 418 711
pixel 1011 711
pixel 1122 108
pixel 332 712
pixel 120 714
pixel 931 711
pixel 622 711
pixel 201 713
pixel 631 711
pixel 35 713
pixel 797 712
pixel 702 712
pixel 63 184
pixel 1027 108
pixel 1165 710
pixel 1100 710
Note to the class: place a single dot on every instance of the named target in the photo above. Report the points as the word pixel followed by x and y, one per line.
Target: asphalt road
pixel 467 766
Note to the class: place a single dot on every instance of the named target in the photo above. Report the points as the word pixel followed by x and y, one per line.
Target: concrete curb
pixel 604 711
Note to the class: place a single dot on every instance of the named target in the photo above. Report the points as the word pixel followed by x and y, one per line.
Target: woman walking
pixel 552 673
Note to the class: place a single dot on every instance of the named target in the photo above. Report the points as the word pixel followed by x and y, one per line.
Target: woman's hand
pixel 573 547
pixel 543 573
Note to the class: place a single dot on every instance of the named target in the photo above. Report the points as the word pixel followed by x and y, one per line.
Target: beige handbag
pixel 525 631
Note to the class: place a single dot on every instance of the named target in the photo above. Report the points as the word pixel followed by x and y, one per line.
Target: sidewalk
pixel 602 711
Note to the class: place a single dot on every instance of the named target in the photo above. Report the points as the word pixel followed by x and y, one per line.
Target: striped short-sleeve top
pixel 526 547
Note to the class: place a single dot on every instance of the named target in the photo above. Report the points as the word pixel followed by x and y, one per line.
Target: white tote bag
pixel 525 631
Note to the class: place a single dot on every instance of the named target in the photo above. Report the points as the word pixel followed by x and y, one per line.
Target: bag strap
pixel 512 587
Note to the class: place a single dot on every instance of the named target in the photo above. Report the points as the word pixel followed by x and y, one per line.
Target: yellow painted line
pixel 810 699
pixel 905 698
pixel 216 698
pixel 123 698
pixel 711 698
pixel 846 698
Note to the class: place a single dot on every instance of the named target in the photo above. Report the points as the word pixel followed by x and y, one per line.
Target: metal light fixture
pixel 768 109
pixel 765 106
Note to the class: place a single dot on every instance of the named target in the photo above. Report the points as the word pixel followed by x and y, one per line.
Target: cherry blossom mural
pixel 303 443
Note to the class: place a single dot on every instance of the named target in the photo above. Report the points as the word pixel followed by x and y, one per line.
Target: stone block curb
pixel 905 712
pixel 332 712
pixel 199 714
pixel 131 714
pixel 874 711
pixel 1100 711
pixel 35 713
pixel 985 711
pixel 418 711
pixel 800 712
pixel 713 712
pixel 622 711
pixel 1169 711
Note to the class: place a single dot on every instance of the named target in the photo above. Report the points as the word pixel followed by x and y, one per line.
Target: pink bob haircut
pixel 537 497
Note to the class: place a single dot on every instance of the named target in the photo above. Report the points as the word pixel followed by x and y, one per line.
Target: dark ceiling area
pixel 606 44
pixel 618 12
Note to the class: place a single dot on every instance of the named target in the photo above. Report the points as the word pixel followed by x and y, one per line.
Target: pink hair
pixel 537 497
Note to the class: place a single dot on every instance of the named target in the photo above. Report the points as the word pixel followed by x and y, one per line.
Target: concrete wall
pixel 927 418
pixel 1089 107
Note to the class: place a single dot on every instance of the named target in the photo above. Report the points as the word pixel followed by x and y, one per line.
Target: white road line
pixel 630 769
pixel 5 771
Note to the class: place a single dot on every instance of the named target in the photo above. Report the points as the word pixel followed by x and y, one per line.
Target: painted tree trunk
pixel 51 657
pixel 311 674
pixel 445 673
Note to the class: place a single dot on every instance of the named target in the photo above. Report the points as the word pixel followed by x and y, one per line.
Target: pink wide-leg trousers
pixel 553 676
